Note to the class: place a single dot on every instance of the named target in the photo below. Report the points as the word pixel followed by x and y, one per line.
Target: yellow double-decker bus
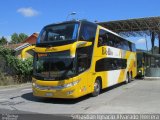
pixel 75 58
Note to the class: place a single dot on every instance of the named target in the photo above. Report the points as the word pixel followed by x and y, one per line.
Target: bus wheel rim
pixel 127 79
pixel 96 87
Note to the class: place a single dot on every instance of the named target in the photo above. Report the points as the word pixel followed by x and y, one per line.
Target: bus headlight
pixel 71 84
pixel 39 86
pixel 33 84
pixel 55 87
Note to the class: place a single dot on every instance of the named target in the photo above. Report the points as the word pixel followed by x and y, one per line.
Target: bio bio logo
pixel 107 52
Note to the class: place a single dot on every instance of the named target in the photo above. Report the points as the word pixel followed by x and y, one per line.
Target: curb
pixel 16 86
pixel 151 78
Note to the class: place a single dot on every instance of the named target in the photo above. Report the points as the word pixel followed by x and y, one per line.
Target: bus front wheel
pixel 97 88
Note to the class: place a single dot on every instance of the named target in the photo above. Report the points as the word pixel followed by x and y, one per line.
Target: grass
pixel 6 80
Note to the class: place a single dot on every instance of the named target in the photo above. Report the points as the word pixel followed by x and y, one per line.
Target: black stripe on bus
pixel 107 64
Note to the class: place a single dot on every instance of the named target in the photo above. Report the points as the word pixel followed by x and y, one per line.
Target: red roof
pixel 31 39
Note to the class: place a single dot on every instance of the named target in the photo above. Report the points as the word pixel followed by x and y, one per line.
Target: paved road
pixel 139 96
pixel 6 114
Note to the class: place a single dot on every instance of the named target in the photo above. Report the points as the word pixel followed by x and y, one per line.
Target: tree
pixel 14 38
pixel 22 36
pixel 3 41
pixel 18 38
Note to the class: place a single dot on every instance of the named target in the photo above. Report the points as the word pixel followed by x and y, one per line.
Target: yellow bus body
pixel 85 81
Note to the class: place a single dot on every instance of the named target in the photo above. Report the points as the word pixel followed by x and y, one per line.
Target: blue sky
pixel 29 16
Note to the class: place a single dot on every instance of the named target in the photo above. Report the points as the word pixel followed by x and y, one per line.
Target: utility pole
pixel 152 40
pixel 73 13
pixel 146 43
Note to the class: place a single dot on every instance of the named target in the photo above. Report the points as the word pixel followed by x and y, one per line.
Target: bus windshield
pixel 53 66
pixel 58 33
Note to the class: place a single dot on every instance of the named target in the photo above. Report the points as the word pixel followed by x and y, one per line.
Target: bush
pixel 21 67
pixel 6 51
pixel 21 71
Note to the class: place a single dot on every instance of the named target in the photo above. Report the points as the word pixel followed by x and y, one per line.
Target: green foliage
pixel 21 67
pixel 14 38
pixel 22 36
pixel 21 70
pixel 3 41
pixel 6 51
pixel 18 38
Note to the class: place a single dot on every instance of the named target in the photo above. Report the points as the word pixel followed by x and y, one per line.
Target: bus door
pixel 83 66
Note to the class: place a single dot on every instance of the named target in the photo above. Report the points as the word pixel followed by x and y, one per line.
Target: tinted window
pixel 105 39
pixel 107 64
pixel 133 47
pixel 88 31
pixel 84 56
pixel 53 65
pixel 58 33
pixel 109 39
pixel 125 44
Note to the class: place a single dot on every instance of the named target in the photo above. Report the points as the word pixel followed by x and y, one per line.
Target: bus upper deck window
pixel 87 32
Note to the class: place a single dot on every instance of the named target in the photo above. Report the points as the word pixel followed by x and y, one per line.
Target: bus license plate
pixel 49 94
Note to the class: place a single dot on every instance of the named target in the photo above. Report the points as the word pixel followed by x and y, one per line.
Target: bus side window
pixel 83 59
pixel 130 46
pixel 117 42
pixel 87 32
pixel 111 40
pixel 133 47
pixel 43 35
pixel 100 41
pixel 103 38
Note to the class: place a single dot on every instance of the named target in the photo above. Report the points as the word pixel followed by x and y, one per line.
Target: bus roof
pixel 72 21
pixel 85 21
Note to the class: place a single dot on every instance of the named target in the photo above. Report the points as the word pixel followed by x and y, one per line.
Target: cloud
pixel 28 12
pixel 141 41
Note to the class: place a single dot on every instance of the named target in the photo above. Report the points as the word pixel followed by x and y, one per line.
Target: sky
pixel 29 16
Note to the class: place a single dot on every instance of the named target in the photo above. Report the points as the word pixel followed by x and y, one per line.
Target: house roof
pixel 31 39
pixel 27 42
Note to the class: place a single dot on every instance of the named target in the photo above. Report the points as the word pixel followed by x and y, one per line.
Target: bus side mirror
pixel 78 44
pixel 23 53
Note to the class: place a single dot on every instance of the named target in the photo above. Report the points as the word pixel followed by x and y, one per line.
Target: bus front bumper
pixel 54 94
pixel 71 92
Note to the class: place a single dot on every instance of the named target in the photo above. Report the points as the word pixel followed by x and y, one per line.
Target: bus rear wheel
pixel 97 88
pixel 128 78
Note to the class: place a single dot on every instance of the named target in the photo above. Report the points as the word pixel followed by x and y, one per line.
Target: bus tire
pixel 97 88
pixel 128 78
pixel 131 76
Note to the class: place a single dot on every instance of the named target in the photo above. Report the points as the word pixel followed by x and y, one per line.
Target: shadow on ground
pixel 30 97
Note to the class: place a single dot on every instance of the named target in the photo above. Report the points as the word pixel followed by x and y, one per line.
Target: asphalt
pixel 6 114
pixel 137 97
